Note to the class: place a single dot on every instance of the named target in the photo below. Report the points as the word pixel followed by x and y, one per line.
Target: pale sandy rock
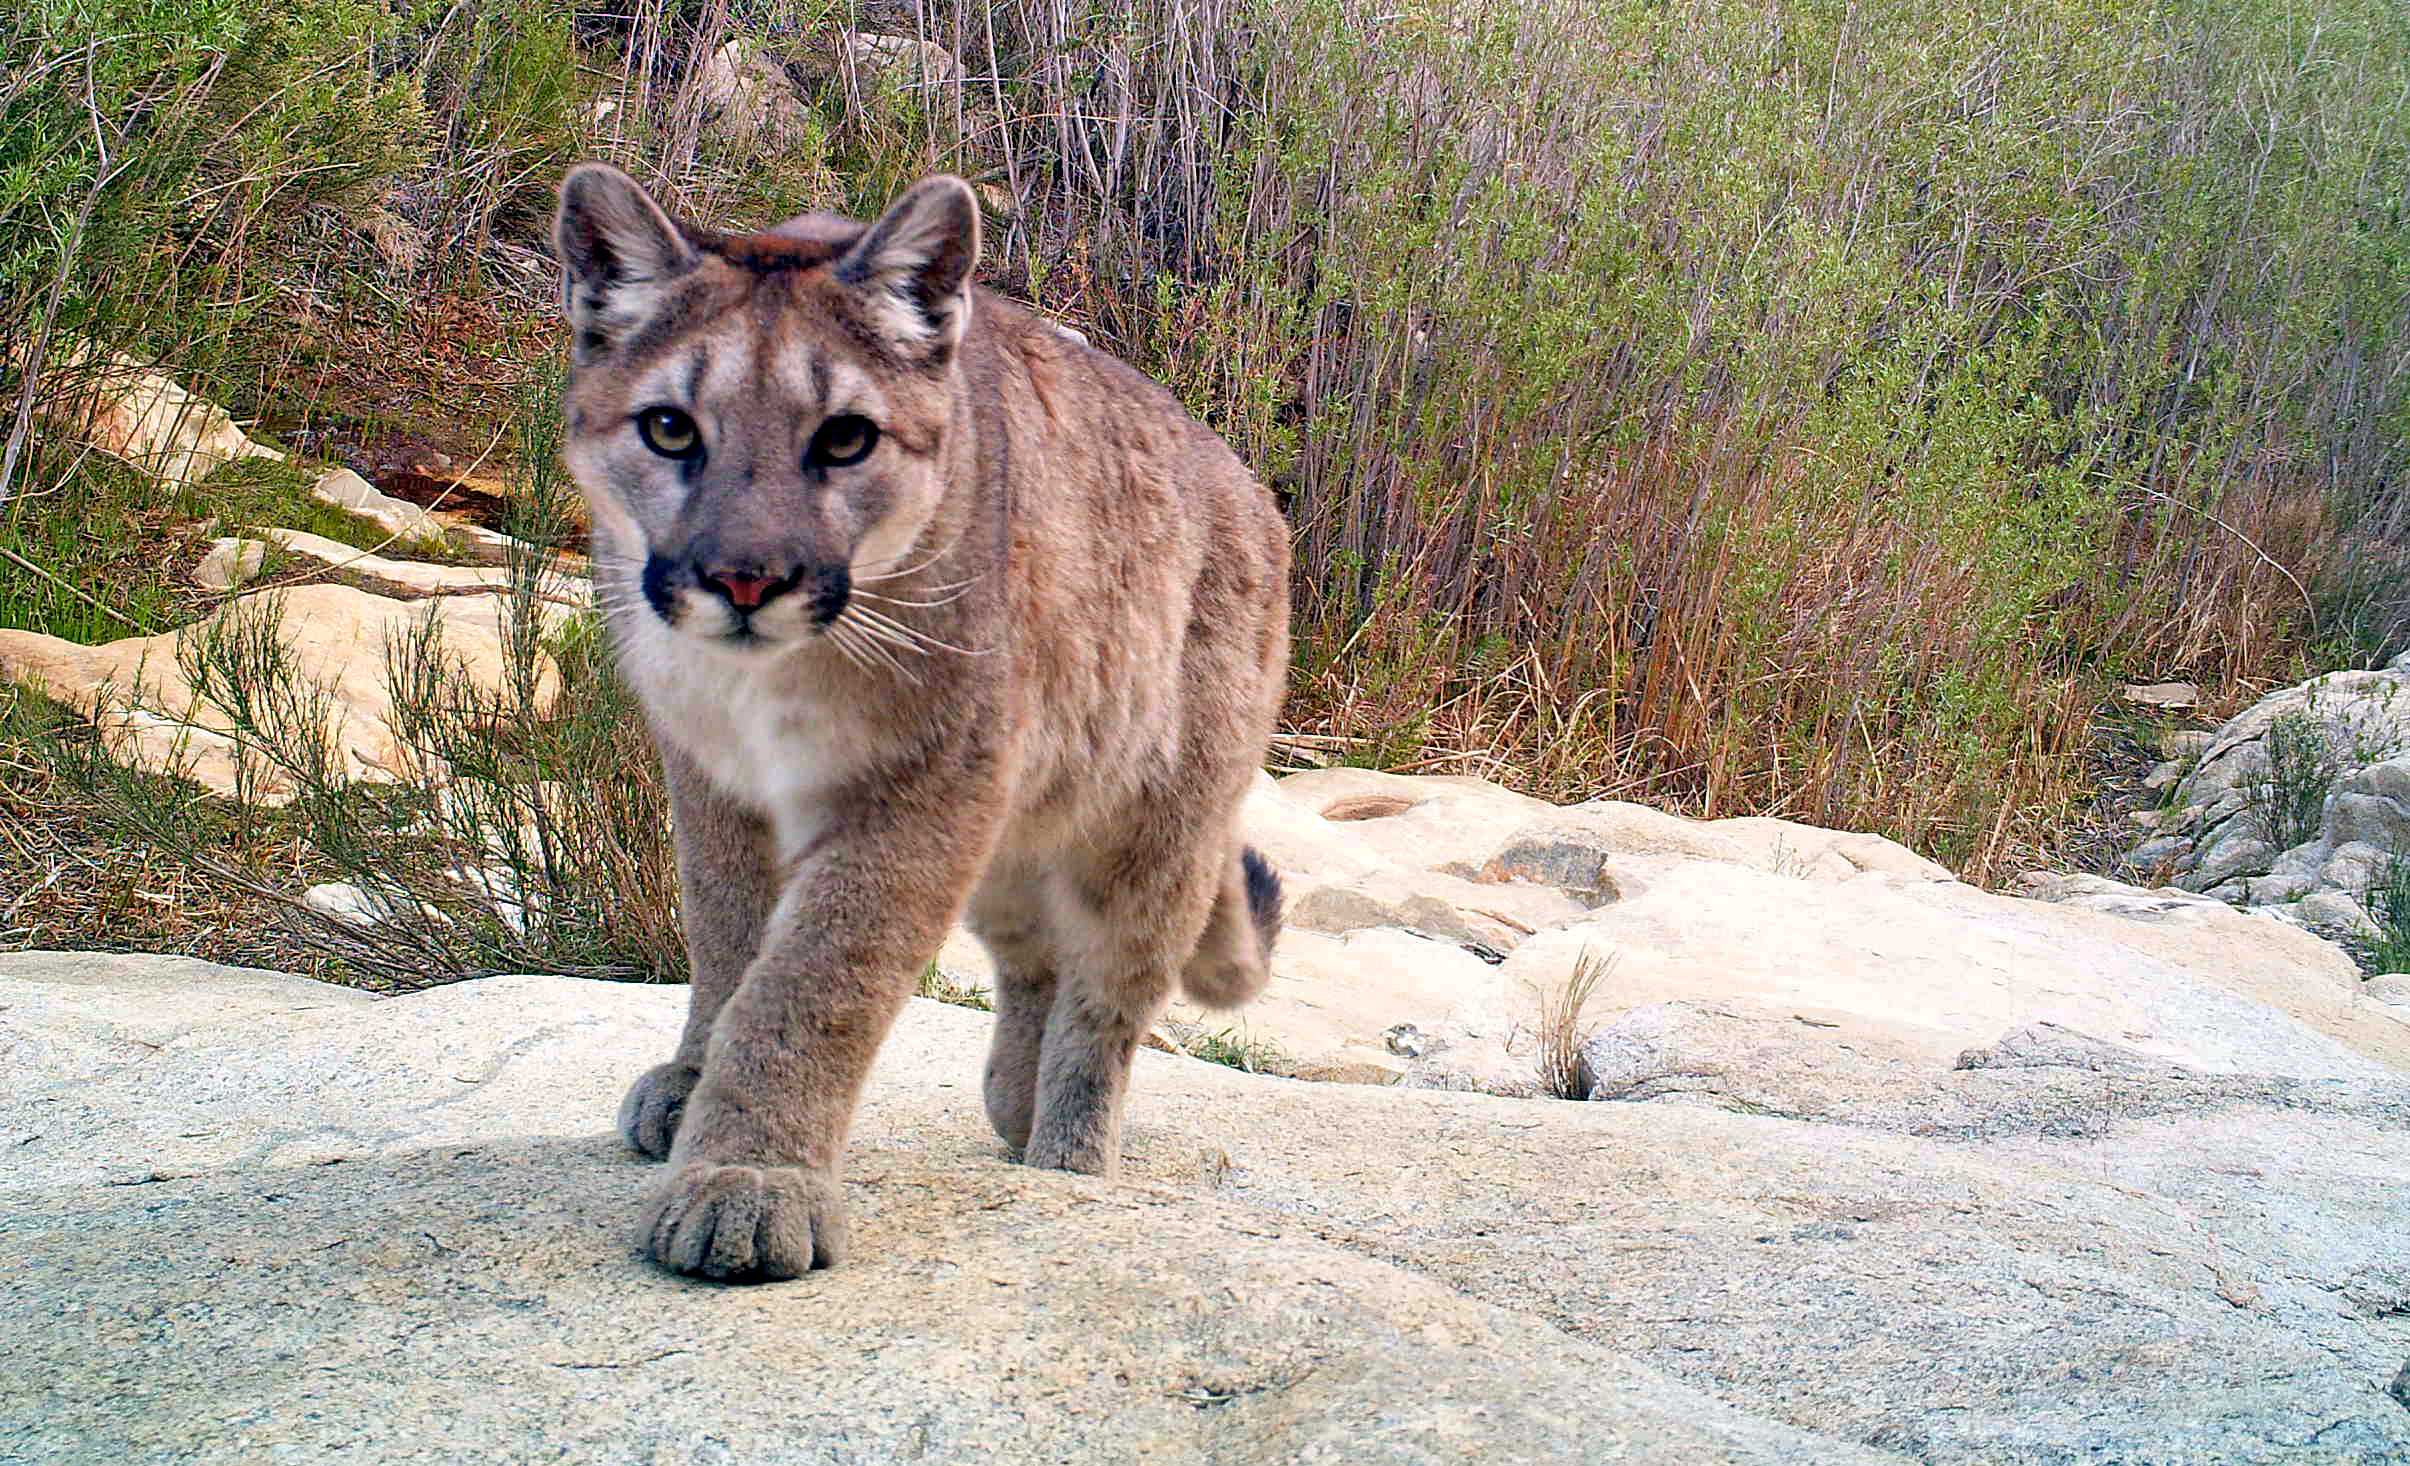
pixel 1593 833
pixel 1368 868
pixel 756 94
pixel 1811 852
pixel 388 576
pixel 1294 836
pixel 1738 1056
pixel 142 416
pixel 1942 966
pixel 2082 1266
pixel 229 563
pixel 1332 999
pixel 910 59
pixel 414 579
pixel 1444 822
pixel 1470 827
pixel 410 523
pixel 336 638
pixel 2169 696
pixel 1448 907
pixel 2336 916
pixel 355 906
pixel 66 1017
pixel 751 95
pixel 347 490
pixel 2213 838
pixel 2389 987
pixel 2117 898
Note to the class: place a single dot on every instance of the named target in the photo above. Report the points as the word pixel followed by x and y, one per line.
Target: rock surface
pixel 371 571
pixel 134 688
pixel 760 95
pixel 251 1217
pixel 336 638
pixel 144 418
pixel 1461 909
pixel 2216 837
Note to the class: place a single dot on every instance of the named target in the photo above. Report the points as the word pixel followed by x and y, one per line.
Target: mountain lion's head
pixel 756 420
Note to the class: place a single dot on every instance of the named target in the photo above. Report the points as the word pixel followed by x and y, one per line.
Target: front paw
pixel 649 1116
pixel 745 1223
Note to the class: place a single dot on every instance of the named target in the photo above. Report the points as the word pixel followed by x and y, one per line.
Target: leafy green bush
pixel 2286 797
pixel 1809 410
pixel 1819 407
pixel 2387 902
pixel 528 829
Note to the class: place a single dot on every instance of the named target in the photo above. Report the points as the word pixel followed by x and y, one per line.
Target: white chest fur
pixel 757 726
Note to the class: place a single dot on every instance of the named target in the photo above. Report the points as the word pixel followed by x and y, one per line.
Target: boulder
pixel 143 417
pixel 409 522
pixel 248 1217
pixel 1937 967
pixel 1471 828
pixel 2216 835
pixel 1739 1056
pixel 1386 859
pixel 336 638
pixel 408 579
pixel 229 563
pixel 760 95
pixel 2167 696
pixel 1447 824
pixel 1846 945
pixel 751 95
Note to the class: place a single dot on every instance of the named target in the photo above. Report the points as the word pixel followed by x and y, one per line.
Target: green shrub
pixel 2286 797
pixel 524 832
pixel 1821 408
pixel 2387 902
pixel 1235 1049
pixel 1806 410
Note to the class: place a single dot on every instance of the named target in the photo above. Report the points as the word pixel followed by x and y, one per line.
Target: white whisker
pixel 897 628
pixel 958 594
pixel 890 574
pixel 845 649
pixel 873 647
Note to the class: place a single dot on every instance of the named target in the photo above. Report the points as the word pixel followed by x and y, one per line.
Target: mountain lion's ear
pixel 913 268
pixel 617 251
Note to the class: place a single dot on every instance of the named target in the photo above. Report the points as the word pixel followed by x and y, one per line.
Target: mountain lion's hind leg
pixel 1117 972
pixel 725 880
pixel 1009 927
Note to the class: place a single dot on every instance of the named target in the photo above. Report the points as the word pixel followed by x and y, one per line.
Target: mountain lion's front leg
pixel 753 1191
pixel 726 882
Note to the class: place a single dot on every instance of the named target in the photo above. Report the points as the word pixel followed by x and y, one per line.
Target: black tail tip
pixel 1263 893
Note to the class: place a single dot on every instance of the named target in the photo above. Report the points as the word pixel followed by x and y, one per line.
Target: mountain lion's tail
pixel 1234 959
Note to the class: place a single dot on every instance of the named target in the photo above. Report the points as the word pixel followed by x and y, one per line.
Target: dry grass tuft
pixel 1561 1031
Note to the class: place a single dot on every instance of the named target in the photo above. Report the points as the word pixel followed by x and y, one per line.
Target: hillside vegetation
pixel 1803 408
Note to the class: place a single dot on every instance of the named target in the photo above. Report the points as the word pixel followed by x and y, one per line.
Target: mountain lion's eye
pixel 669 432
pixel 841 441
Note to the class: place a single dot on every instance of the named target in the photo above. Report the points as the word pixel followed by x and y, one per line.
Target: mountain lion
pixel 934 613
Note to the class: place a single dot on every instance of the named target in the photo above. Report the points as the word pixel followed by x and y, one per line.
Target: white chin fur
pixel 709 619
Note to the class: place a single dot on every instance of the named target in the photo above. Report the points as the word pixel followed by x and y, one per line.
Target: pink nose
pixel 745 592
